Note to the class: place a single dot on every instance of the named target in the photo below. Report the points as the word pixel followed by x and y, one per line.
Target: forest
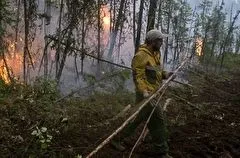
pixel 67 82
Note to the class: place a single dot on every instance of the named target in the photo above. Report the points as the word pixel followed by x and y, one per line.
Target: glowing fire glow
pixel 3 74
pixel 105 15
pixel 14 63
pixel 199 45
pixel 106 21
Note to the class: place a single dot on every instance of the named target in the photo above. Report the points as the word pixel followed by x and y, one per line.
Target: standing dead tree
pixel 169 7
pixel 113 37
pixel 47 13
pixel 17 25
pixel 83 36
pixel 30 15
pixel 152 14
pixel 134 21
pixel 59 37
pixel 139 25
pixel 159 16
pixel 26 21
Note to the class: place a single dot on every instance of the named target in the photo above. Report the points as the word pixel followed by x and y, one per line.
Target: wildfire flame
pixel 106 21
pixel 199 45
pixel 3 74
pixel 105 14
pixel 13 64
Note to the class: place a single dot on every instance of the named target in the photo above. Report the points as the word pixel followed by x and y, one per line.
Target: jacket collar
pixel 147 50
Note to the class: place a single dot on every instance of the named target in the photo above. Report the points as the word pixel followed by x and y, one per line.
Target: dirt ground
pixel 214 134
pixel 211 132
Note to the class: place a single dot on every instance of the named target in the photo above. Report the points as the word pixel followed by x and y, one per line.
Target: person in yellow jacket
pixel 148 76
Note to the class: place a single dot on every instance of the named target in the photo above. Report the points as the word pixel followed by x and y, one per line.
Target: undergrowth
pixel 33 125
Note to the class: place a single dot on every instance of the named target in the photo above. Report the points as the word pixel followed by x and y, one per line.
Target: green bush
pixel 45 88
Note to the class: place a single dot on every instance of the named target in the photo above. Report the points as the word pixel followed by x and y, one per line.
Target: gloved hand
pixel 146 94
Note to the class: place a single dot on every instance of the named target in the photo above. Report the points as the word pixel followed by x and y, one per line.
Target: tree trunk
pixel 152 14
pixel 17 25
pixel 139 27
pixel 168 27
pixel 115 31
pixel 57 55
pixel 26 22
pixel 99 39
pixel 76 67
pixel 134 21
pixel 65 52
pixel 159 18
pixel 120 37
pixel 114 15
pixel 99 31
pixel 47 11
pixel 83 38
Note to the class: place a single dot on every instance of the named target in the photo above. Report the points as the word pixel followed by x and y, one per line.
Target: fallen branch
pixel 90 55
pixel 186 101
pixel 186 84
pixel 142 105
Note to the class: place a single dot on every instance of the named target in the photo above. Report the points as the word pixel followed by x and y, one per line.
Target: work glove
pixel 146 94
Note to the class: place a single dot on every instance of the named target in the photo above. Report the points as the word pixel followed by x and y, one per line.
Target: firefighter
pixel 148 76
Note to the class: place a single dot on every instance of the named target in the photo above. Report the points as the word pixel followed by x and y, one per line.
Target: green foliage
pixel 65 121
pixel 121 79
pixel 4 89
pixel 42 137
pixel 78 156
pixel 41 89
pixel 45 87
pixel 89 78
pixel 231 61
pixel 118 81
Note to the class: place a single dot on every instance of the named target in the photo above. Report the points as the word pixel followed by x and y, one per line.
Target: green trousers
pixel 157 126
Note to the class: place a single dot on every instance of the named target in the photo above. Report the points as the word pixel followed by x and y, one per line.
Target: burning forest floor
pixel 203 119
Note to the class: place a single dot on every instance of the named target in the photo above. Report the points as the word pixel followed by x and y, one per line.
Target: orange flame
pixel 105 13
pixel 106 22
pixel 14 63
pixel 199 45
pixel 4 75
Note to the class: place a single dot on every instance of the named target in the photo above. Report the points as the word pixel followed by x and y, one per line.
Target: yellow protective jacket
pixel 147 72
